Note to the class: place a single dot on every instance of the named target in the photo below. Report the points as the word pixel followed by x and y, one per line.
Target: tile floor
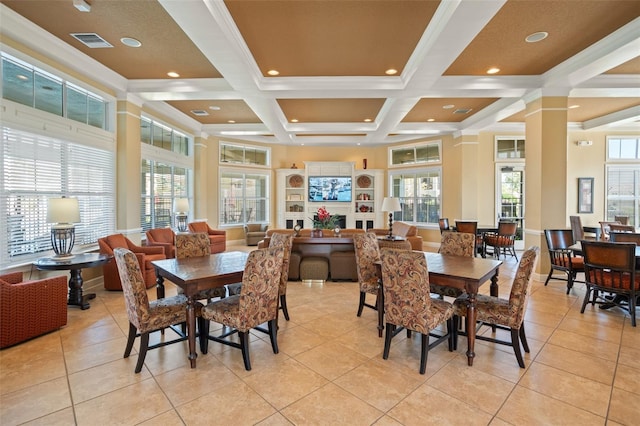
pixel 582 369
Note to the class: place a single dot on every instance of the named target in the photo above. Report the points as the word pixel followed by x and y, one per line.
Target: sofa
pixel 217 239
pixel 30 308
pixel 343 266
pixel 165 238
pixel 402 229
pixel 254 233
pixel 145 256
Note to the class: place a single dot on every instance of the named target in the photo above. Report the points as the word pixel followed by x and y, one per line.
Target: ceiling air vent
pixel 199 112
pixel 92 40
pixel 462 111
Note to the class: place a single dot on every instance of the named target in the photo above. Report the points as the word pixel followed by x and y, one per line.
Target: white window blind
pixel 35 168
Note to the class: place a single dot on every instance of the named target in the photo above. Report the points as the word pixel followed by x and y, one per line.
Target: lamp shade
pixel 390 204
pixel 63 210
pixel 181 205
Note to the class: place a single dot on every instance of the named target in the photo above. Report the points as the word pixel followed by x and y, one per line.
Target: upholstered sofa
pixel 165 238
pixel 30 308
pixel 343 266
pixel 144 254
pixel 401 229
pixel 217 238
pixel 254 233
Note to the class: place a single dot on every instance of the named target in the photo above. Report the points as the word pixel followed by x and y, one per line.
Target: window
pixel 161 136
pixel 244 154
pixel 161 185
pixel 509 148
pixel 419 194
pixel 243 197
pixel 31 86
pixel 624 148
pixel 35 168
pixel 414 154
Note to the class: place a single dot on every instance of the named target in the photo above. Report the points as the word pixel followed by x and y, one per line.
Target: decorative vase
pixel 316 233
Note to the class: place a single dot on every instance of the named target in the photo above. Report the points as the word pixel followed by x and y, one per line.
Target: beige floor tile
pixel 91 336
pixel 276 419
pixel 624 407
pixel 63 417
pixel 387 421
pixel 628 379
pixel 364 340
pixel 123 406
pixel 169 418
pixel 91 356
pixel 629 356
pixel 235 404
pixel 31 369
pixel 379 385
pixel 331 405
pixel 631 335
pixel 577 363
pixel 331 360
pixel 331 326
pixel 297 340
pixel 578 391
pixel 286 383
pixel 472 386
pixel 598 348
pixel 428 406
pixel 34 402
pixel 609 333
pixel 527 407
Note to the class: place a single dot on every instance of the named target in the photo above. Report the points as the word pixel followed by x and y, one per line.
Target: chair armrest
pixel 154 249
pixel 12 278
pixel 217 232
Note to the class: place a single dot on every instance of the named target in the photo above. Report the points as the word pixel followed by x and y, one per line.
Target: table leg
pixel 471 328
pixel 191 331
pixel 159 285
pixel 76 298
pixel 380 307
pixel 493 291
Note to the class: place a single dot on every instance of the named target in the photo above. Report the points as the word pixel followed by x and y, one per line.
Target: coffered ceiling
pixel 333 62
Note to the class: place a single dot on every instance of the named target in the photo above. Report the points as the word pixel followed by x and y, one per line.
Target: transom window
pixel 162 136
pixel 244 154
pixel 623 148
pixel 508 148
pixel 415 154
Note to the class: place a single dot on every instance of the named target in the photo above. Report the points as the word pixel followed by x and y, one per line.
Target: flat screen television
pixel 330 188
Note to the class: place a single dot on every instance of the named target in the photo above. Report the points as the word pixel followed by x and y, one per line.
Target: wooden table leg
pixel 380 307
pixel 159 285
pixel 191 331
pixel 471 328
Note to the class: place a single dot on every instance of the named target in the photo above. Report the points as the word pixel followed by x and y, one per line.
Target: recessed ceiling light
pixel 448 106
pixel 535 37
pixel 131 42
pixel 493 70
pixel 273 72
pixel 214 108
pixel 358 144
pixel 367 120
pixel 173 74
pixel 294 120
pixel 231 121
pixel 574 106
pixel 22 77
pixel 391 71
pixel 431 119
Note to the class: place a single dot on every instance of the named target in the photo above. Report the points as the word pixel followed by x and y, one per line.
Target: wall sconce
pixel 64 212
pixel 584 143
pixel 390 204
pixel 181 210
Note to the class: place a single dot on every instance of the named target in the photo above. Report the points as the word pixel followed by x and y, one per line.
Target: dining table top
pixel 202 268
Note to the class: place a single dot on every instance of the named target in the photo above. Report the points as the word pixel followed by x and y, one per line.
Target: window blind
pixel 36 168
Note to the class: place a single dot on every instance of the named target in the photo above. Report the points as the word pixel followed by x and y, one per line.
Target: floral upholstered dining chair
pixel 454 244
pixel 195 245
pixel 408 303
pixel 367 253
pixel 256 304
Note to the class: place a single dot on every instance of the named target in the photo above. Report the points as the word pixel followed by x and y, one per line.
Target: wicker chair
pixel 408 303
pixel 256 304
pixel 147 316
pixel 562 259
pixel 30 308
pixel 503 313
pixel 454 244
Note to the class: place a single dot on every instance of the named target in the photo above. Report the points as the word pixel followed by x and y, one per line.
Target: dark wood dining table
pixel 464 273
pixel 193 274
pixel 577 249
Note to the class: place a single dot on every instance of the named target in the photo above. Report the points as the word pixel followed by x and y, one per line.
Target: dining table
pixel 194 274
pixel 461 272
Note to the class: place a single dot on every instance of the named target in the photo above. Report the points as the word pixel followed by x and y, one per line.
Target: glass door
pixel 510 197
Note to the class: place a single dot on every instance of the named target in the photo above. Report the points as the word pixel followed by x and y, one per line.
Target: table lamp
pixel 181 209
pixel 390 204
pixel 63 212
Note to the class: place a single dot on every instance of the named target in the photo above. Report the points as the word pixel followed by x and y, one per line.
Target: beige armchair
pixel 401 229
pixel 254 233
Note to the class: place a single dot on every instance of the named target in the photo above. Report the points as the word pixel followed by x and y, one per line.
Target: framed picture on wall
pixel 585 195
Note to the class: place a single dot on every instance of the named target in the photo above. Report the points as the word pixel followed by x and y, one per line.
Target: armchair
pixel 217 239
pixel 401 229
pixel 30 308
pixel 254 233
pixel 145 256
pixel 165 238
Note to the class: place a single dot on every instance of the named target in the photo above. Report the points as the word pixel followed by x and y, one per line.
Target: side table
pixel 74 265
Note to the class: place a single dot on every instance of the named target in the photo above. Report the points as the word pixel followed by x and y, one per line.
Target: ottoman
pixel 343 266
pixel 314 268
